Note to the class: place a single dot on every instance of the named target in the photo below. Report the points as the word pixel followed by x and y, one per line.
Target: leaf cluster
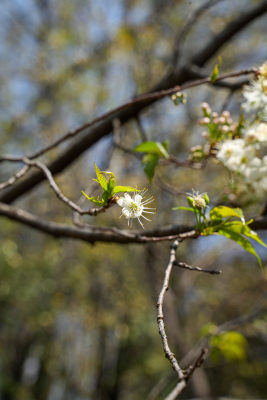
pixel 107 181
pixel 230 222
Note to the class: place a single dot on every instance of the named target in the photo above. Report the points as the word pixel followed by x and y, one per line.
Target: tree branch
pixel 92 234
pixel 228 32
pixel 160 319
pixel 111 235
pixel 104 125
pixel 199 269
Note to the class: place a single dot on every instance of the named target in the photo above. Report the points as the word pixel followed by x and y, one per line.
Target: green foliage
pixel 220 212
pixel 216 70
pixel 154 151
pixel 184 208
pixel 231 345
pixel 161 149
pixel 108 186
pixel 222 221
pixel 150 161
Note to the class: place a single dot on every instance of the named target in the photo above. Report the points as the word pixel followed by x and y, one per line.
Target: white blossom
pixel 256 96
pixel 257 132
pixel 135 207
pixel 235 153
pixel 252 170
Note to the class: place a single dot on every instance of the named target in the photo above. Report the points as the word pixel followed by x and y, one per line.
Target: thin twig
pixel 186 266
pixel 188 373
pixel 197 363
pixel 189 24
pixel 58 192
pixel 15 177
pixel 152 96
pixel 116 139
pixel 160 319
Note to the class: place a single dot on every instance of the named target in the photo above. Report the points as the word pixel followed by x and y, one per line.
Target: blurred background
pixel 78 321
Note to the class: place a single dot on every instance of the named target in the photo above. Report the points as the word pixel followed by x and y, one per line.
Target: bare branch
pixel 103 234
pixel 92 234
pixel 189 267
pixel 189 24
pixel 195 72
pixel 176 391
pixel 60 195
pixel 228 32
pixel 160 319
pixel 105 124
pixel 15 177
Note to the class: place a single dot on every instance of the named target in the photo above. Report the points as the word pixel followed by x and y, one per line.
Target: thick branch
pixel 93 234
pixel 98 234
pixel 227 33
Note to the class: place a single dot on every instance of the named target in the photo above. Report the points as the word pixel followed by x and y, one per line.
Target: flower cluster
pixel 256 93
pixel 240 149
pixel 218 125
pixel 242 156
pixel 257 133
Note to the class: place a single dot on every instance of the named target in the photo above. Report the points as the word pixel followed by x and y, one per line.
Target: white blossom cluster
pixel 256 94
pixel 241 156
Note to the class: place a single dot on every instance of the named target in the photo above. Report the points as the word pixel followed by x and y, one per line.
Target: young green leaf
pixel 150 162
pixel 214 74
pixel 111 184
pixel 184 208
pixel 122 189
pixel 253 235
pixel 100 178
pixel 220 212
pixel 153 148
pixel 97 201
pixel 241 240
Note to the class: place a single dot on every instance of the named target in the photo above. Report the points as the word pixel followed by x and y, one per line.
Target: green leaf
pixel 111 184
pixel 150 162
pixel 153 148
pixel 253 235
pixel 232 345
pixel 235 226
pixel 97 201
pixel 241 240
pixel 216 70
pixel 220 212
pixel 100 178
pixel 214 74
pixel 184 208
pixel 245 230
pixel 118 189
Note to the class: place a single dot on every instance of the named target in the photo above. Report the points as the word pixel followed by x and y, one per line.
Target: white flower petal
pixel 137 198
pixel 126 213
